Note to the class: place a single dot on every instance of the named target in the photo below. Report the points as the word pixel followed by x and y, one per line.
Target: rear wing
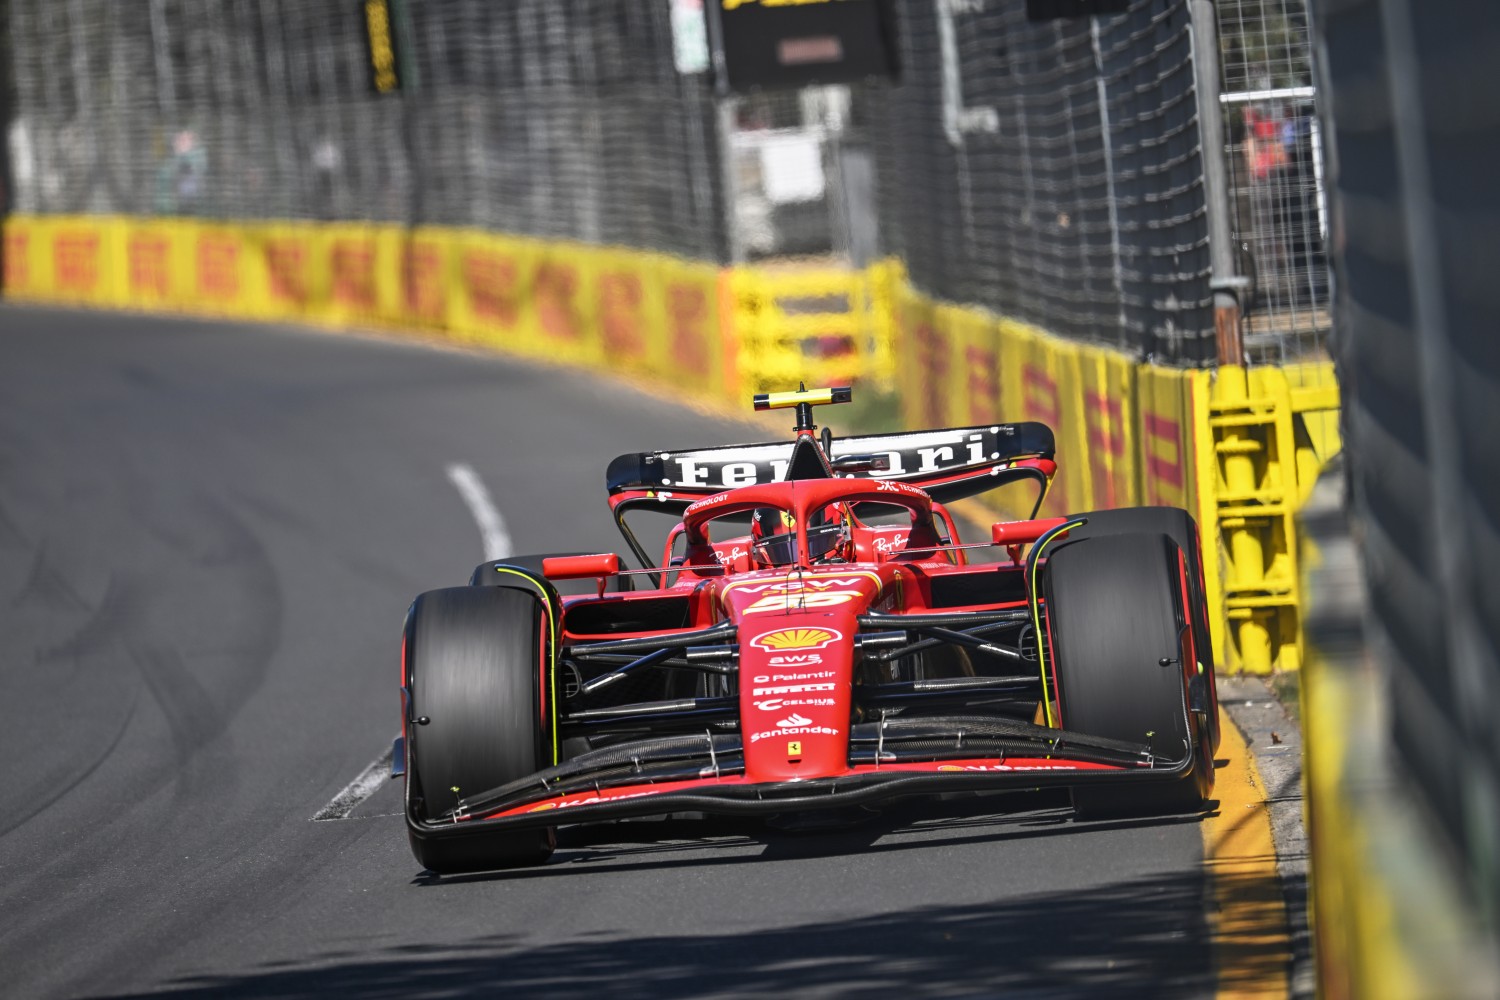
pixel 948 464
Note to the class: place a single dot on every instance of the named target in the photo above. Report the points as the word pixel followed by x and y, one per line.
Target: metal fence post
pixel 1226 283
pixel 7 109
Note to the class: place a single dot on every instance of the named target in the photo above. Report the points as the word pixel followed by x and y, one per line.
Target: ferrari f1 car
pixel 812 635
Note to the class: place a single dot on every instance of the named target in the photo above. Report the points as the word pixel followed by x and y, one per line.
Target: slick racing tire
pixel 486 575
pixel 1114 625
pixel 1178 525
pixel 474 669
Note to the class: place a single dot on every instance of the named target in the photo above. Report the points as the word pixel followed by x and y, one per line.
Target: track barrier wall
pixel 1403 771
pixel 1238 448
pixel 629 311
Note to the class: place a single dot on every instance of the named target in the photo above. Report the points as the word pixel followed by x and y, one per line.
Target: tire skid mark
pixel 123 630
pixel 192 717
pixel 122 607
pixel 57 792
pixel 46 585
pixel 55 605
pixel 260 591
pixel 10 532
pixel 230 563
pixel 359 565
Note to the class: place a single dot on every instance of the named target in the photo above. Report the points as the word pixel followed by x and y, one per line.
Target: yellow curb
pixel 1247 911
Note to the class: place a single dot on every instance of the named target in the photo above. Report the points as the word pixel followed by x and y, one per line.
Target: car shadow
pixel 1134 937
pixel 1140 936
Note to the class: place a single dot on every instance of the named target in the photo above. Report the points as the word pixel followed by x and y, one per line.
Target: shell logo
pixel 782 639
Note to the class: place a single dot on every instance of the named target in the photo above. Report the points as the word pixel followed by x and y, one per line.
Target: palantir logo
pixel 793 720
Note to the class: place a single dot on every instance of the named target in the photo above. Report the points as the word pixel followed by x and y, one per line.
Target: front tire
pixel 1178 525
pixel 1115 626
pixel 475 665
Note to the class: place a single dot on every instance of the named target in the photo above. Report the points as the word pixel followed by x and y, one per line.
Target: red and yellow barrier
pixel 1129 433
pixel 595 307
pixel 1238 453
pixel 1125 431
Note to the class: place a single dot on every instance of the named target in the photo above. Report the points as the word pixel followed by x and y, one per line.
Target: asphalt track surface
pixel 209 534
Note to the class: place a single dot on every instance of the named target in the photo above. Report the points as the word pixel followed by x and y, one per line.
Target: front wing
pixel 737 795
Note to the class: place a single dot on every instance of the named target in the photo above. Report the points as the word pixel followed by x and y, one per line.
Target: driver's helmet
pixel 773 537
pixel 829 538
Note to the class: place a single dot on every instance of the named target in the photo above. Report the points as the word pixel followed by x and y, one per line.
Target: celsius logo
pixel 795 638
pixel 793 720
pixel 777 704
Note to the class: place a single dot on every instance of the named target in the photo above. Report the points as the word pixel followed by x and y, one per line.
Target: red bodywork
pixel 800 638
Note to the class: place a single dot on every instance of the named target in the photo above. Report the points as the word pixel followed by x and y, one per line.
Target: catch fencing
pixel 1276 170
pixel 1080 179
pixel 1415 119
pixel 1052 172
pixel 1057 173
pixel 551 118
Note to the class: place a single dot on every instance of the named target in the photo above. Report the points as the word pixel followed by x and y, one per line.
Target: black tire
pixel 485 575
pixel 1113 619
pixel 473 670
pixel 1178 525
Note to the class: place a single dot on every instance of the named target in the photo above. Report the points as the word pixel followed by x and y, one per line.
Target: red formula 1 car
pixel 813 635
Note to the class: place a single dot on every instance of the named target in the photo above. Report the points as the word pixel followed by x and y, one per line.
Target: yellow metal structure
pixel 1272 431
pixel 823 325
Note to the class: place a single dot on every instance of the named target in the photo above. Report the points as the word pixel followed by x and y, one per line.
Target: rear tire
pixel 1113 618
pixel 473 669
pixel 1178 525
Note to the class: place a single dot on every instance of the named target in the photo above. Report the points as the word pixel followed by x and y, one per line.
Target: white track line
pixel 365 784
pixel 486 515
pixel 496 546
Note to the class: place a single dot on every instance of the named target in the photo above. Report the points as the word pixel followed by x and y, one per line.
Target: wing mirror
pixel 603 566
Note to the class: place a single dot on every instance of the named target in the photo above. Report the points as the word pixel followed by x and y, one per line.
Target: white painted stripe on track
pixel 496 540
pixel 491 525
pixel 365 784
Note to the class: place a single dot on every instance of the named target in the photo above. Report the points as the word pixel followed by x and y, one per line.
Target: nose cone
pixel 796 666
pixel 795 690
